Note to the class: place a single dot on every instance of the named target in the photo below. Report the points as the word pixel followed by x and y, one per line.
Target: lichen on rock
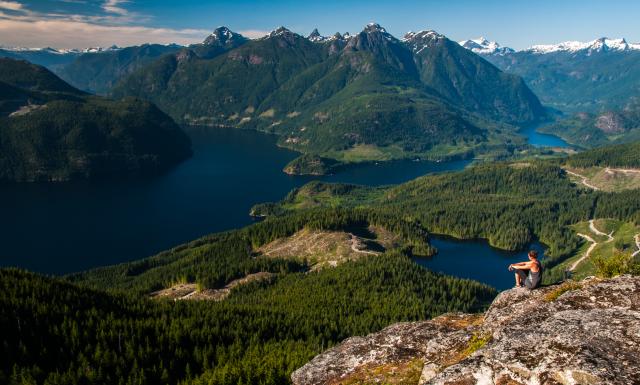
pixel 590 335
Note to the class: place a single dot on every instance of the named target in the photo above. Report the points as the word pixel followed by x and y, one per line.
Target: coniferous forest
pixel 100 326
pixel 327 261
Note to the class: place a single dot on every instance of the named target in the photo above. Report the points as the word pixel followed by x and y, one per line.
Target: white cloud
pixel 11 5
pixel 78 34
pixel 253 33
pixel 114 6
pixel 25 28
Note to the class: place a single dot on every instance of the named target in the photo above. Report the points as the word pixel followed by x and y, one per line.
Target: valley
pixel 361 98
pixel 266 207
pixel 263 294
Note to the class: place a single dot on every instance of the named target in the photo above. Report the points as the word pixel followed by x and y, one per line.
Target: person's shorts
pixel 526 281
pixel 523 275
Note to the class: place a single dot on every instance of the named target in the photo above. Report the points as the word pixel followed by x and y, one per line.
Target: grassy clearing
pixel 583 228
pixel 607 179
pixel 316 195
pixel 623 234
pixel 368 153
pixel 330 248
pixel 623 242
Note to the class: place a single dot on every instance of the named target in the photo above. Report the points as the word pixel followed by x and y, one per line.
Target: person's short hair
pixel 533 253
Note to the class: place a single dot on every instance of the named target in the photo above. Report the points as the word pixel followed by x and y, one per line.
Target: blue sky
pixel 514 23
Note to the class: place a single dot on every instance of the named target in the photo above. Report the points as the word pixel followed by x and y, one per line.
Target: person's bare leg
pixel 517 279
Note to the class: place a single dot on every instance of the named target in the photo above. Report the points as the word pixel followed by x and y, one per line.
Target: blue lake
pixel 539 139
pixel 475 259
pixel 64 227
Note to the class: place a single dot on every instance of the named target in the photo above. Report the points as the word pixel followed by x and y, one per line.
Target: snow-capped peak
pixel 101 49
pixel 222 35
pixel 431 34
pixel 421 40
pixel 280 31
pixel 602 44
pixel 316 37
pixel 483 46
pixel 374 27
pixel 45 49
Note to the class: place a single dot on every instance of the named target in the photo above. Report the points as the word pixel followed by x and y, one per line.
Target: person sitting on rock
pixel 528 273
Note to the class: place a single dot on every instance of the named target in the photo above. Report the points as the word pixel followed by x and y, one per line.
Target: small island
pixel 310 164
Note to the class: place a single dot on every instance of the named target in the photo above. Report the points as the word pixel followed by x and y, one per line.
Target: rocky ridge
pixel 574 333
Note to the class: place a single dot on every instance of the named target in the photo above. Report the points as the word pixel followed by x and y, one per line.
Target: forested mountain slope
pixel 591 79
pixel 98 72
pixel 509 204
pixel 259 335
pixel 363 97
pixel 265 329
pixel 52 131
pixel 590 130
pixel 50 58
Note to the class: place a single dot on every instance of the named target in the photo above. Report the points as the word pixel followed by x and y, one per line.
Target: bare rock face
pixel 578 333
pixel 610 123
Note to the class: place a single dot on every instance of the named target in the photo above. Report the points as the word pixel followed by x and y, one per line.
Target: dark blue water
pixel 538 139
pixel 64 227
pixel 475 260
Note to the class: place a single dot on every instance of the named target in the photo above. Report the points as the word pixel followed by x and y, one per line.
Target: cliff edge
pixel 576 333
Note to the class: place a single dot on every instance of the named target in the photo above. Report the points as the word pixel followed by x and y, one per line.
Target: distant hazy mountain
pixel 48 57
pixel 52 131
pixel 575 76
pixel 98 71
pixel 367 96
pixel 602 44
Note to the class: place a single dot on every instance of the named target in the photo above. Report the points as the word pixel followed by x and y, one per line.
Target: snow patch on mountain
pixel 61 51
pixel 483 46
pixel 55 51
pixel 222 36
pixel 421 40
pixel 602 44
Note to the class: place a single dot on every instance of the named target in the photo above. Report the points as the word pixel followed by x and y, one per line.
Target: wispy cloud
pixel 10 5
pixel 253 33
pixel 76 34
pixel 20 26
pixel 115 6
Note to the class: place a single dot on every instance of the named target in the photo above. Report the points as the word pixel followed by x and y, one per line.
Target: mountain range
pixel 572 76
pixel 369 96
pixel 93 70
pixel 52 131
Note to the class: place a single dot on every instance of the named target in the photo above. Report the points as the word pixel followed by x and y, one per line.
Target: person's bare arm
pixel 522 265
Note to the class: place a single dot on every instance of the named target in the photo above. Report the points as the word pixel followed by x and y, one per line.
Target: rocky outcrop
pixel 610 123
pixel 574 333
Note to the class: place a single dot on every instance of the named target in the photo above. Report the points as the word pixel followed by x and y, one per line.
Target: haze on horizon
pixel 516 23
